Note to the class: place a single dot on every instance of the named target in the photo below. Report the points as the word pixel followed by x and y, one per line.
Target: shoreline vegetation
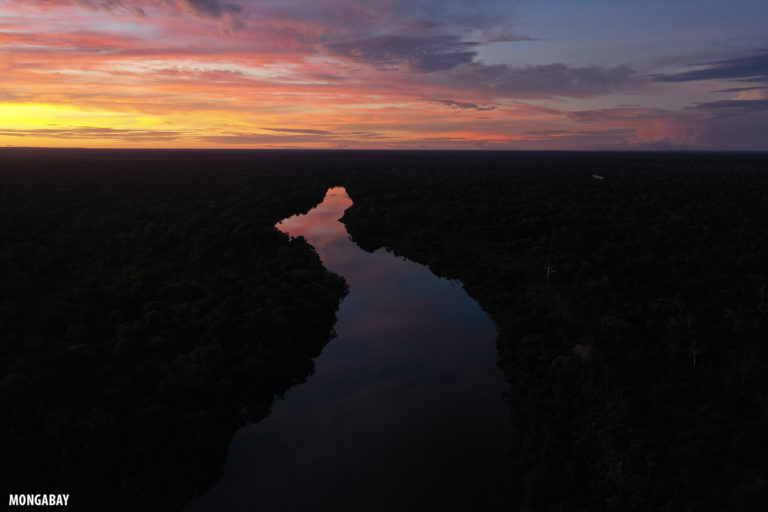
pixel 632 314
pixel 150 308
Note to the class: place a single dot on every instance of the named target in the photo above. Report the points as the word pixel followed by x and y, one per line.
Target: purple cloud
pixel 753 68
pixel 424 53
pixel 545 80
pixel 453 63
pixel 742 89
pixel 731 107
pixel 505 35
pixel 617 113
pixel 547 132
pixel 461 105
pixel 212 9
pixel 222 12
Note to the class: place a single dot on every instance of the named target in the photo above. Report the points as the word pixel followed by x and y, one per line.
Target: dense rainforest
pixel 630 295
pixel 149 308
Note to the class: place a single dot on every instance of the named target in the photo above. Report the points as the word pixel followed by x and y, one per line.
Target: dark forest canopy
pixel 632 314
pixel 149 308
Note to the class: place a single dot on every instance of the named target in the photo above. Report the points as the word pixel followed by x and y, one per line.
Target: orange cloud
pixel 323 73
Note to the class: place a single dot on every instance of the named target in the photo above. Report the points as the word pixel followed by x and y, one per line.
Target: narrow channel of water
pixel 404 410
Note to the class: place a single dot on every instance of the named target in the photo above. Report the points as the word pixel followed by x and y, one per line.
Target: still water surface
pixel 404 410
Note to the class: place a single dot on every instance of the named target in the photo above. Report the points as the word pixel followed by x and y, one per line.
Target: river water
pixel 404 411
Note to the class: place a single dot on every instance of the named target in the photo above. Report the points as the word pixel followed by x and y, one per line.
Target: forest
pixel 149 309
pixel 631 307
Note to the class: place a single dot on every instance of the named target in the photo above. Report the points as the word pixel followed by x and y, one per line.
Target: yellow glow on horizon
pixel 261 124
pixel 39 115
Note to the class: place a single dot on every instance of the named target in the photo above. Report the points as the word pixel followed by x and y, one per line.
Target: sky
pixel 385 74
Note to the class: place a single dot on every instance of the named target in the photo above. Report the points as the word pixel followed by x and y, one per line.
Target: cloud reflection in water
pixel 405 406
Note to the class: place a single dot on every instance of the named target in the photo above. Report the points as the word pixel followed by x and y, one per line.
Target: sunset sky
pixel 496 74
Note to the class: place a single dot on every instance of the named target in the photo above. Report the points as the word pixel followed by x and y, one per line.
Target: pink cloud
pixel 375 74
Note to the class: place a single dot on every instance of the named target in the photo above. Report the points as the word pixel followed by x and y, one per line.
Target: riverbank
pixel 149 309
pixel 404 409
pixel 630 311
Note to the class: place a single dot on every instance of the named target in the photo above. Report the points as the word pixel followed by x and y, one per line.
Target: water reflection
pixel 404 409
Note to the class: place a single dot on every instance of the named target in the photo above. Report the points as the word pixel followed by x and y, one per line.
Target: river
pixel 404 410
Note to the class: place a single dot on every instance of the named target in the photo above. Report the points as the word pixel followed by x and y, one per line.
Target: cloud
pixel 105 5
pixel 742 89
pixel 544 80
pixel 548 132
pixel 332 72
pixel 461 105
pixel 15 96
pixel 296 130
pixel 200 8
pixel 747 133
pixel 223 13
pixel 451 61
pixel 616 113
pixel 204 8
pixel 504 35
pixel 716 125
pixel 323 19
pixel 622 132
pixel 291 136
pixel 90 132
pixel 248 138
pixel 731 107
pixel 579 139
pixel 753 68
pixel 81 41
pixel 420 53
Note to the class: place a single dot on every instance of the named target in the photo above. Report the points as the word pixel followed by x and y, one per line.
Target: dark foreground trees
pixel 633 326
pixel 148 310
